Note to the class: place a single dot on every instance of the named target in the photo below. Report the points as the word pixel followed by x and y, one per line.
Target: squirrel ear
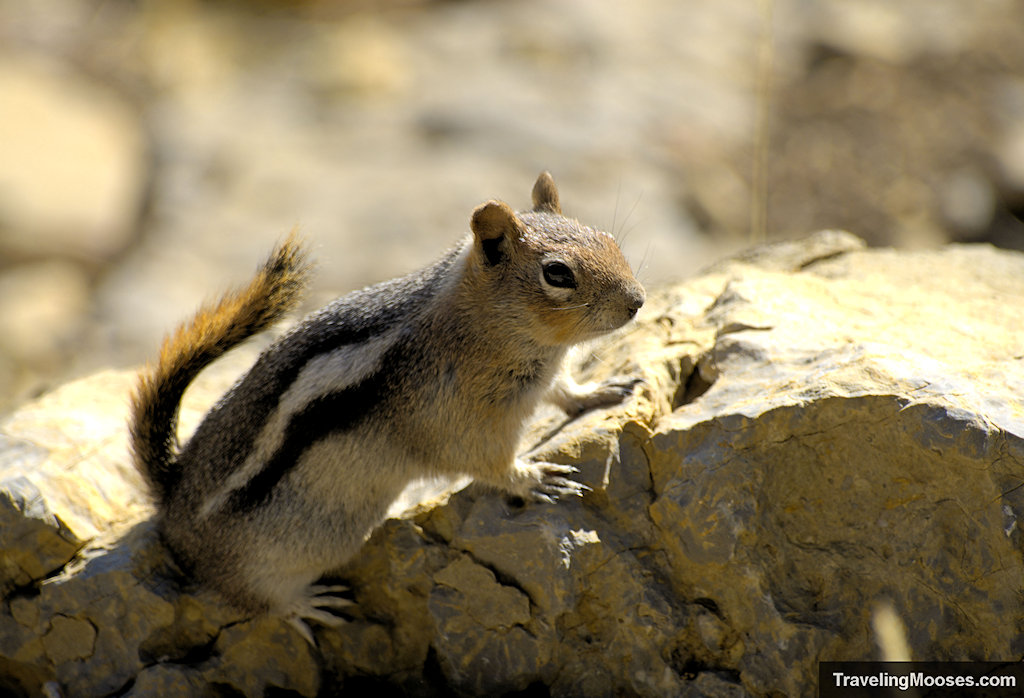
pixel 545 194
pixel 494 225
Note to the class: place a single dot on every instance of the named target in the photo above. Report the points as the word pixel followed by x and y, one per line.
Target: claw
pixel 317 598
pixel 331 602
pixel 321 589
pixel 303 629
pixel 564 486
pixel 539 481
pixel 553 481
pixel 321 596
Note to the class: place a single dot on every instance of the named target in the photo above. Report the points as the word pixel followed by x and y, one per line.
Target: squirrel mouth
pixel 609 327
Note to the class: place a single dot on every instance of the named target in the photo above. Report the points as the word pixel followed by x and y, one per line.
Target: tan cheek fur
pixel 561 325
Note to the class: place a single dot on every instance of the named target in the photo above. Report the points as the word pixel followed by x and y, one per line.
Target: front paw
pixel 546 482
pixel 591 395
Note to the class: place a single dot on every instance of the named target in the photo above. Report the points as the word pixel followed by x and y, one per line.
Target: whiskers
pixel 622 234
pixel 587 357
pixel 640 271
pixel 573 307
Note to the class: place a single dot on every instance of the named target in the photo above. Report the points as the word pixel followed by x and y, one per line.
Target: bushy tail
pixel 215 329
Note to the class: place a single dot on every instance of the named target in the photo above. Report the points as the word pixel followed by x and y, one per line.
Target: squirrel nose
pixel 635 302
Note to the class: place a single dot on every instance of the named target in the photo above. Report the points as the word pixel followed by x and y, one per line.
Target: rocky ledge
pixel 825 432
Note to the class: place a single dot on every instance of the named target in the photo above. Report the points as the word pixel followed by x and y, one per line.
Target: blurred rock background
pixel 152 150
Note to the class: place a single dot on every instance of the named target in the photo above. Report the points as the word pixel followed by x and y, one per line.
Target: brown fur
pixel 211 332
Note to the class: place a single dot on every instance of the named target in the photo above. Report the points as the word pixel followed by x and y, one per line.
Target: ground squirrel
pixel 434 373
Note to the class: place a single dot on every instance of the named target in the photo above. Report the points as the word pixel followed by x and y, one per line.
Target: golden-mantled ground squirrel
pixel 434 373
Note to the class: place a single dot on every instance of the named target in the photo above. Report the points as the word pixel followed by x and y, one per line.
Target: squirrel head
pixel 562 281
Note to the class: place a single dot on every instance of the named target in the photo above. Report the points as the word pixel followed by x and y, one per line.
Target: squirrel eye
pixel 559 275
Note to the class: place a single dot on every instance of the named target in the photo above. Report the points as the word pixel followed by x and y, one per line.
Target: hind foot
pixel 313 606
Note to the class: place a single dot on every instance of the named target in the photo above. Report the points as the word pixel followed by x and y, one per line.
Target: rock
pixel 86 627
pixel 71 447
pixel 43 311
pixel 240 659
pixel 73 179
pixel 825 431
pixel 484 638
pixel 41 308
pixel 44 542
pixel 864 424
pixel 67 139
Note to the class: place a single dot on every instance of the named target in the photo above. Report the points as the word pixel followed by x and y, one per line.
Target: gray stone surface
pixel 825 431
